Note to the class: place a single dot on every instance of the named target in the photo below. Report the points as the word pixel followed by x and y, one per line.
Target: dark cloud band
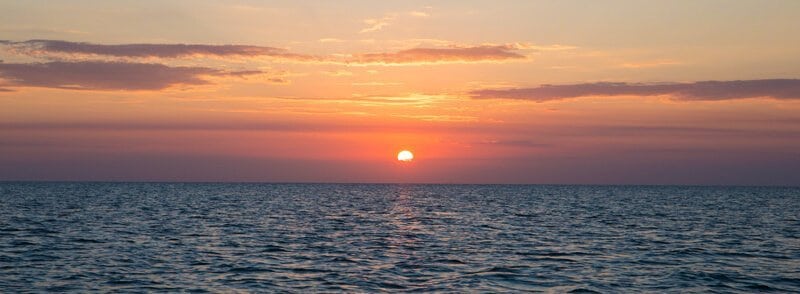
pixel 696 91
pixel 457 54
pixel 151 50
pixel 98 75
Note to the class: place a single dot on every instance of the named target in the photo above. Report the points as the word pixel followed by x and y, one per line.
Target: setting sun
pixel 620 134
pixel 405 156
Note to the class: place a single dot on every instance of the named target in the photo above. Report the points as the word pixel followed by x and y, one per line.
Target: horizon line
pixel 2 181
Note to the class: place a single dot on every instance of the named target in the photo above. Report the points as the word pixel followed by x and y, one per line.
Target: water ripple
pixel 99 237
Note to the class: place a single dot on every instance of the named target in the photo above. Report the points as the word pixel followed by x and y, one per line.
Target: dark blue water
pixel 365 238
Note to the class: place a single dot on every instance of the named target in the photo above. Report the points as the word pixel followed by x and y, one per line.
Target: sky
pixel 540 92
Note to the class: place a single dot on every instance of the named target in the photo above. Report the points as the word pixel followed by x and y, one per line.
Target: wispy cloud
pixel 338 73
pixel 441 55
pixel 530 46
pixel 99 75
pixel 695 91
pixel 648 64
pixel 376 24
pixel 376 84
pixel 514 143
pixel 50 47
pixel 330 40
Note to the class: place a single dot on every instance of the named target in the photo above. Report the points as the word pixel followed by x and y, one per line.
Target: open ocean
pixel 86 237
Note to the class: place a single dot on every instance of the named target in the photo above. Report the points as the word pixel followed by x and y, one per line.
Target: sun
pixel 405 156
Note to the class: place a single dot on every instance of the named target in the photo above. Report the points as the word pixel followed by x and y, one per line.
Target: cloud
pixel 338 73
pixel 424 51
pixel 376 84
pixel 514 143
pixel 46 47
pixel 696 91
pixel 99 75
pixel 554 47
pixel 330 40
pixel 376 24
pixel 658 63
pixel 441 55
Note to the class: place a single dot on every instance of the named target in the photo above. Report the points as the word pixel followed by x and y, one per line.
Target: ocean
pixel 198 237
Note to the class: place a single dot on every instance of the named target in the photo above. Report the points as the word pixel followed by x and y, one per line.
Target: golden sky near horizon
pixel 693 92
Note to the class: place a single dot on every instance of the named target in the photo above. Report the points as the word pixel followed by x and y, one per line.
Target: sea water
pixel 79 237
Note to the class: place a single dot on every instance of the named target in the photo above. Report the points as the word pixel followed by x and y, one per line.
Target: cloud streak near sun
pixel 695 91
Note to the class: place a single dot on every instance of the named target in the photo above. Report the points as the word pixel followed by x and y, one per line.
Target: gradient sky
pixel 586 92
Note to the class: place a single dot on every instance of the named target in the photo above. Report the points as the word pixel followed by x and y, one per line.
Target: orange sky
pixel 616 92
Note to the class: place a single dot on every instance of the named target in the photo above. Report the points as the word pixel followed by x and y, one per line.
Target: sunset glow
pixel 362 146
pixel 524 92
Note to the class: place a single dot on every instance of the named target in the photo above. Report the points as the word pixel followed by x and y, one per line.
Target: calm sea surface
pixel 81 237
